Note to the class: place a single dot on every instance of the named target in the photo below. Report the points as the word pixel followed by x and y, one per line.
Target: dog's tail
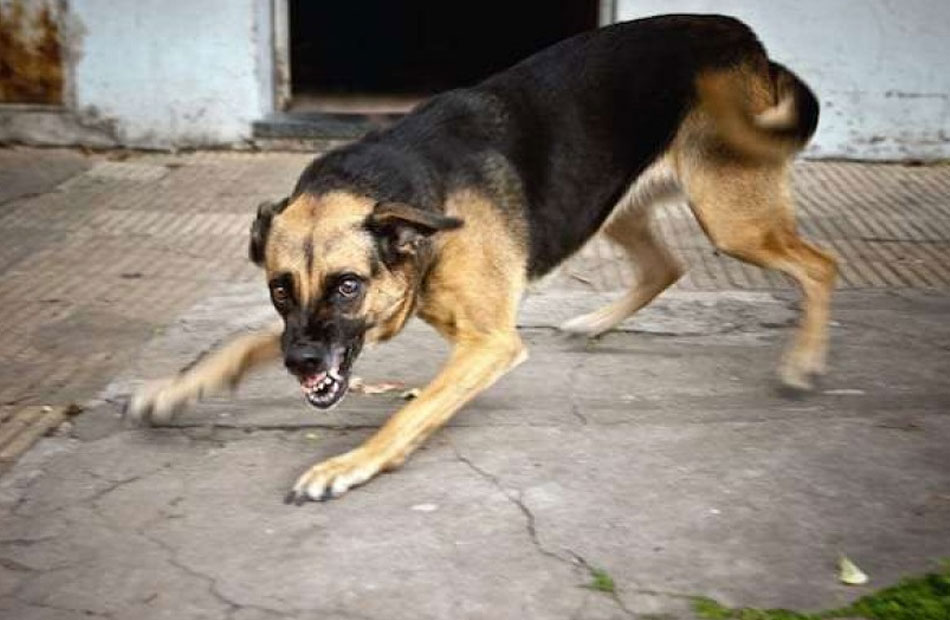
pixel 734 98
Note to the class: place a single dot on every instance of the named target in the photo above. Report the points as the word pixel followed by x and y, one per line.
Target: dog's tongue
pixel 308 383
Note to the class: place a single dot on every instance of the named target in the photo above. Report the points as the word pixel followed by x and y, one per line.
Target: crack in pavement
pixel 233 606
pixel 113 484
pixel 516 499
pixel 25 542
pixel 17 567
pixel 171 556
pixel 575 559
pixel 572 375
pixel 92 499
pixel 612 593
pixel 251 428
pixel 214 588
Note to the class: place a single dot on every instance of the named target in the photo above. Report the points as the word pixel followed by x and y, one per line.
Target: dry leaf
pixel 849 573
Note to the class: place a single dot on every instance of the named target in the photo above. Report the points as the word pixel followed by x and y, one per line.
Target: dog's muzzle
pixel 324 378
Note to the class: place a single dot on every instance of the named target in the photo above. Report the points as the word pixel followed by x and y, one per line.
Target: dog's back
pixel 558 138
pixel 588 115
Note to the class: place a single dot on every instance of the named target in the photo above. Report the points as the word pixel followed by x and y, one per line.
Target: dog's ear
pixel 403 227
pixel 260 229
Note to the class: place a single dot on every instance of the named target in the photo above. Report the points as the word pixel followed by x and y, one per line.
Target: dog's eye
pixel 349 287
pixel 280 295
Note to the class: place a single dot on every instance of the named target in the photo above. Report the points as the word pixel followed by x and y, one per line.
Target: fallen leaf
pixel 849 573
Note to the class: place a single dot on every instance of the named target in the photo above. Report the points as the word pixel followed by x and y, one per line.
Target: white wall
pixel 173 72
pixel 880 67
pixel 159 73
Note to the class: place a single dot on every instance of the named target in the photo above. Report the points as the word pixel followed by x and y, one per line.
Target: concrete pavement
pixel 662 454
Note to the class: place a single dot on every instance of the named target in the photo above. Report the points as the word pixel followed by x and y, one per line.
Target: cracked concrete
pixel 515 497
pixel 662 454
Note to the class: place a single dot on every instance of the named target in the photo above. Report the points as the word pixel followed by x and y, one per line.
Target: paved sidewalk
pixel 662 454
pixel 101 251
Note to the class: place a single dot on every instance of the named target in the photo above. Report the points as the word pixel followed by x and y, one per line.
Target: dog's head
pixel 342 270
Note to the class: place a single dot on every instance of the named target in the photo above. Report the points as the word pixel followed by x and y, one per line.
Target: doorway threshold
pixel 334 117
pixel 319 125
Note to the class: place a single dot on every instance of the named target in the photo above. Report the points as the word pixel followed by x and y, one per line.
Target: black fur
pixel 313 329
pixel 556 139
pixel 807 106
pixel 260 228
pixel 401 230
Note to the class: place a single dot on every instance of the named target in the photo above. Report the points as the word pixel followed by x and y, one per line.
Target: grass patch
pixel 916 598
pixel 601 581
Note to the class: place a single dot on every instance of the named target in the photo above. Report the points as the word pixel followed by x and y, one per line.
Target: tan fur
pixel 747 114
pixel 472 299
pixel 333 226
pixel 629 227
pixel 744 205
pixel 748 212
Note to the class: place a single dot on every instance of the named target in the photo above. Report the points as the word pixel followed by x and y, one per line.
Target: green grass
pixel 917 598
pixel 601 581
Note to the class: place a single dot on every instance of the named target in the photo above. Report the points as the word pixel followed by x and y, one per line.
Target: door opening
pixel 378 56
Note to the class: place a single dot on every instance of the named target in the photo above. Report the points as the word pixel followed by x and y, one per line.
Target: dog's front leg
pixel 476 363
pixel 158 401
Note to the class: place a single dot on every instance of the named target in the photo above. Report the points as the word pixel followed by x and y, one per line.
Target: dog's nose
pixel 303 360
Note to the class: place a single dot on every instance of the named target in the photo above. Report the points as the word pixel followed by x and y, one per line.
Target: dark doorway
pixel 419 47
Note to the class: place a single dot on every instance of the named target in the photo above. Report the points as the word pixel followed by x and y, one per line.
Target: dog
pixel 450 212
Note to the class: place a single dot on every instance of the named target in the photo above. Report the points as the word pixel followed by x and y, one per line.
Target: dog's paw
pixel 332 478
pixel 590 325
pixel 800 368
pixel 795 379
pixel 157 402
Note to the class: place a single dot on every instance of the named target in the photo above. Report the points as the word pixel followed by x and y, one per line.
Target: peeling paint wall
pixel 167 73
pixel 31 57
pixel 880 67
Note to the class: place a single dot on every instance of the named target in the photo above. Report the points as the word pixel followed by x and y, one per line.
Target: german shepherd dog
pixel 450 212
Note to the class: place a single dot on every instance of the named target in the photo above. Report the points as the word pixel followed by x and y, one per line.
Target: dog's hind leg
pixel 747 212
pixel 656 268
pixel 224 368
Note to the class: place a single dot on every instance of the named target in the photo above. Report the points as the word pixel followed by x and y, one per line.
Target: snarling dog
pixel 449 213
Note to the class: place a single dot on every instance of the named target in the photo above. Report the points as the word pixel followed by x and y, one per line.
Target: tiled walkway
pixel 91 266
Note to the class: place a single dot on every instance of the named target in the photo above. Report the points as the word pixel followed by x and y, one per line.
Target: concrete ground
pixel 662 454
